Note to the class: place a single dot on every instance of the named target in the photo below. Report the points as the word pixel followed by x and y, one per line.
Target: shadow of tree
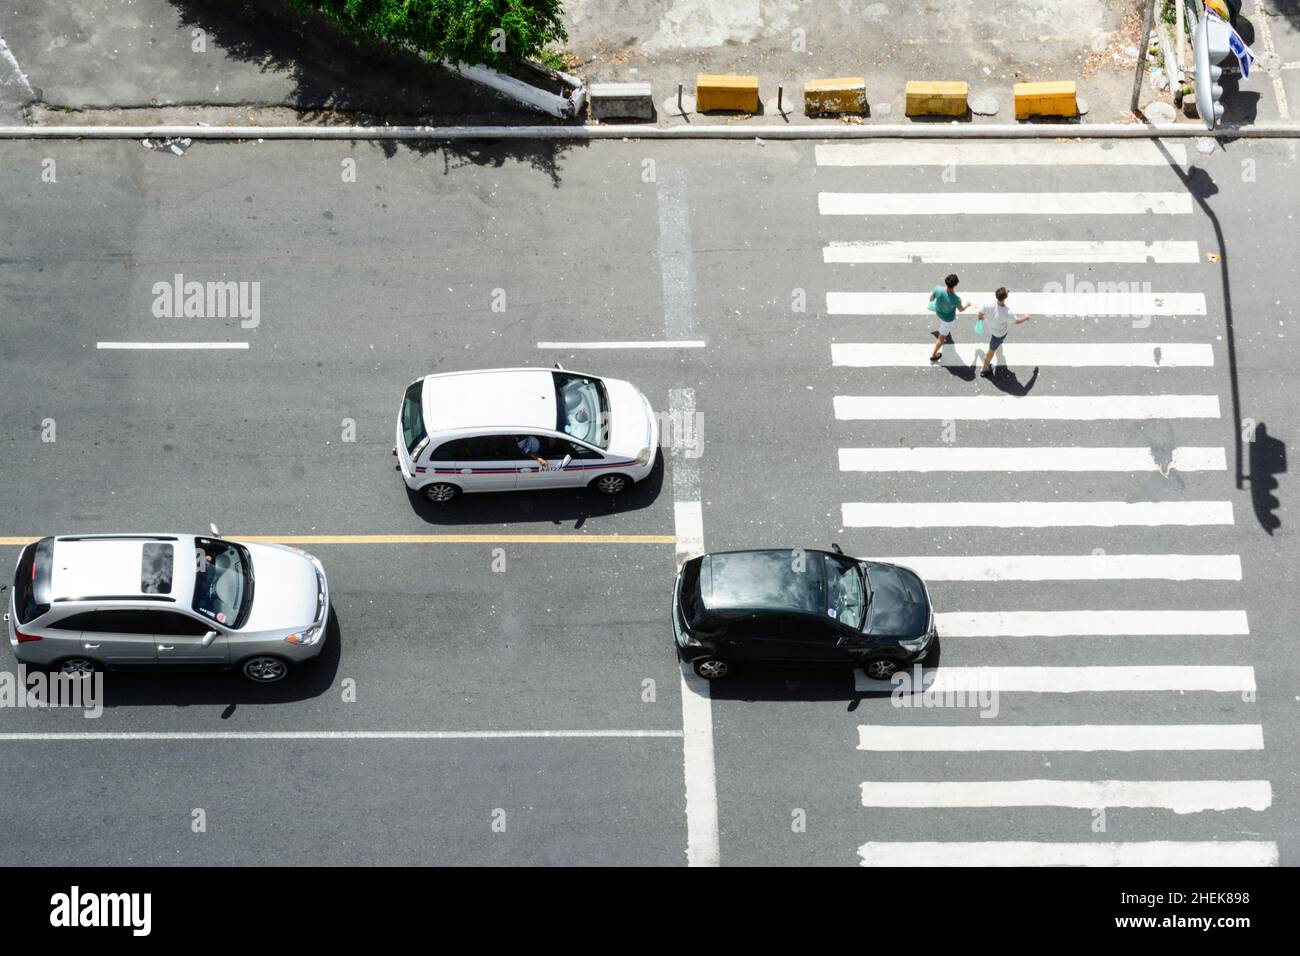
pixel 338 80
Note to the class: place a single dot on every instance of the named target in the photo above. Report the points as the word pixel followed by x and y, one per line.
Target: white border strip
pixel 1063 250
pixel 1032 458
pixel 1200 854
pixel 337 735
pixel 159 346
pixel 1001 154
pixel 1033 514
pixel 1005 204
pixel 970 682
pixel 988 737
pixel 1072 303
pixel 1231 623
pixel 1073 567
pixel 1062 354
pixel 671 344
pixel 1083 408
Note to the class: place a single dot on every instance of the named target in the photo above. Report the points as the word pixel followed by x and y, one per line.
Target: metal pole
pixel 679 100
pixel 1142 53
pixel 779 108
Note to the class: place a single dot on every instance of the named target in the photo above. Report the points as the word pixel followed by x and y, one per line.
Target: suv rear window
pixel 32 580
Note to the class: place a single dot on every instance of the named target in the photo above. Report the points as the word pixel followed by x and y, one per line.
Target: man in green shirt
pixel 947 303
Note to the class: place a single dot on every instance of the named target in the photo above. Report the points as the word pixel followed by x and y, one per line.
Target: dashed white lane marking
pixel 1033 458
pixel 1082 623
pixel 676 252
pixel 1180 796
pixel 1010 153
pixel 1064 250
pixel 1200 854
pixel 1005 407
pixel 648 344
pixel 1073 567
pixel 966 681
pixel 1059 737
pixel 170 345
pixel 1068 355
pixel 1033 514
pixel 1004 204
pixel 1074 303
pixel 699 767
pixel 335 735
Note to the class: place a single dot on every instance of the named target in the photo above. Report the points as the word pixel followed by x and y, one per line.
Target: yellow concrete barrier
pixel 726 93
pixel 1050 98
pixel 845 94
pixel 935 98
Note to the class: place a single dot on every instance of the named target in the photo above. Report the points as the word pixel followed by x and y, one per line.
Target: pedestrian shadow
pixel 964 372
pixel 1005 380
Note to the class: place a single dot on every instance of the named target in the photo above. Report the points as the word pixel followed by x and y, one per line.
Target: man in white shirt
pixel 999 319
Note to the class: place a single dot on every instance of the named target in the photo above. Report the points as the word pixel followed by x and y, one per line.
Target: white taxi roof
pixel 492 398
pixel 111 566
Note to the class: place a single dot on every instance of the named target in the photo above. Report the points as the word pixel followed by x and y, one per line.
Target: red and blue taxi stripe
pixel 593 466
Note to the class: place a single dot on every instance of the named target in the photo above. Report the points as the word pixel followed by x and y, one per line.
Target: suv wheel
pixel 265 670
pixel 440 492
pixel 712 669
pixel 880 668
pixel 611 484
pixel 77 665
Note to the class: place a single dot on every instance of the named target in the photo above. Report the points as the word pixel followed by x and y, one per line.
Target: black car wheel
pixel 712 669
pixel 880 668
pixel 440 492
pixel 611 484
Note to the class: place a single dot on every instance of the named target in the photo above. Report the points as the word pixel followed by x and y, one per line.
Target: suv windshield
pixel 223 582
pixel 845 592
pixel 413 416
pixel 582 408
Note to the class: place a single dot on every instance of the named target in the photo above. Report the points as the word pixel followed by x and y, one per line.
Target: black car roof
pixel 771 580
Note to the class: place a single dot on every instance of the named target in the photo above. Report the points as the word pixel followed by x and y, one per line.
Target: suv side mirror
pixel 208 638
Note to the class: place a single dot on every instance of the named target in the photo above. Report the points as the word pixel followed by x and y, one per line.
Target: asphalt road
pixel 366 285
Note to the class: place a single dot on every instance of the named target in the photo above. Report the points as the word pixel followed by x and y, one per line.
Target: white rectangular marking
pixel 966 681
pixel 1004 204
pixel 1006 407
pixel 1067 355
pixel 1074 567
pixel 1200 854
pixel 1033 514
pixel 1180 796
pixel 1118 302
pixel 1069 737
pixel 332 735
pixel 665 344
pixel 1007 153
pixel 1034 458
pixel 151 346
pixel 1091 623
pixel 1060 250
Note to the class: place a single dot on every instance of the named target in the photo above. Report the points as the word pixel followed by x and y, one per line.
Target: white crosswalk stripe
pixel 1070 355
pixel 1004 204
pixel 1010 251
pixel 1035 458
pixel 1033 514
pixel 1180 796
pixel 1121 302
pixel 1115 350
pixel 1081 408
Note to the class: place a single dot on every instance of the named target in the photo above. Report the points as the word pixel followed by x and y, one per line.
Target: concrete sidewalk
pixel 254 62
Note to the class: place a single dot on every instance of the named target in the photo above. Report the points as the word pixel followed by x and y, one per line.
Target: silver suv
pixel 107 601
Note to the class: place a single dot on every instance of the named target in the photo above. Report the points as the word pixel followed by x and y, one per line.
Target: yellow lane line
pixel 433 539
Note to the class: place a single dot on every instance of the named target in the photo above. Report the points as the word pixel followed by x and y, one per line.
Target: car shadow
pixel 810 684
pixel 559 506
pixel 184 688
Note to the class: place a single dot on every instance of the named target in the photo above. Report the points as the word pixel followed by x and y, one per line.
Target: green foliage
pixel 495 33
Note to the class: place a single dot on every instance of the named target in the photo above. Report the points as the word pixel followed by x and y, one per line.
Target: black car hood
pixel 899 606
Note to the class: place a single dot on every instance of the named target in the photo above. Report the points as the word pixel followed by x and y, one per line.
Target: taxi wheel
pixel 440 492
pixel 611 484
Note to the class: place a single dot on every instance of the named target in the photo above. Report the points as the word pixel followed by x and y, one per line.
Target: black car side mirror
pixel 836 548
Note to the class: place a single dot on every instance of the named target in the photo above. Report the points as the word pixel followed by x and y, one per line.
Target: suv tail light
pixel 25 638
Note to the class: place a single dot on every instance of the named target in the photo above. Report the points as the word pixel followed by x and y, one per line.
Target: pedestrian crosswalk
pixel 1068 514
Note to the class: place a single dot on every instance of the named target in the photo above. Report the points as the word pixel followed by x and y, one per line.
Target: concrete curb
pixel 637 131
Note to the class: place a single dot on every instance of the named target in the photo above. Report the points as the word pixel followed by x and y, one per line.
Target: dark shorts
pixel 995 342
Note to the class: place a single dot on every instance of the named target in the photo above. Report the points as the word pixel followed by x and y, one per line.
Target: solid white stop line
pixel 1013 250
pixel 1100 300
pixel 1004 204
pixel 1073 567
pixel 1059 737
pixel 1134 152
pixel 1227 679
pixel 1180 796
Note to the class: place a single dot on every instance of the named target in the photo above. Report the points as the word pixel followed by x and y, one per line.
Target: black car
pixel 799 608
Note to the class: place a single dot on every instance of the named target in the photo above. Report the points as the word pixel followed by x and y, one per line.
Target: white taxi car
pixel 523 429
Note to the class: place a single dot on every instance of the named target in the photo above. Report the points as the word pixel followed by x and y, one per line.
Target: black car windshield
pixel 223 582
pixel 846 592
pixel 582 408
